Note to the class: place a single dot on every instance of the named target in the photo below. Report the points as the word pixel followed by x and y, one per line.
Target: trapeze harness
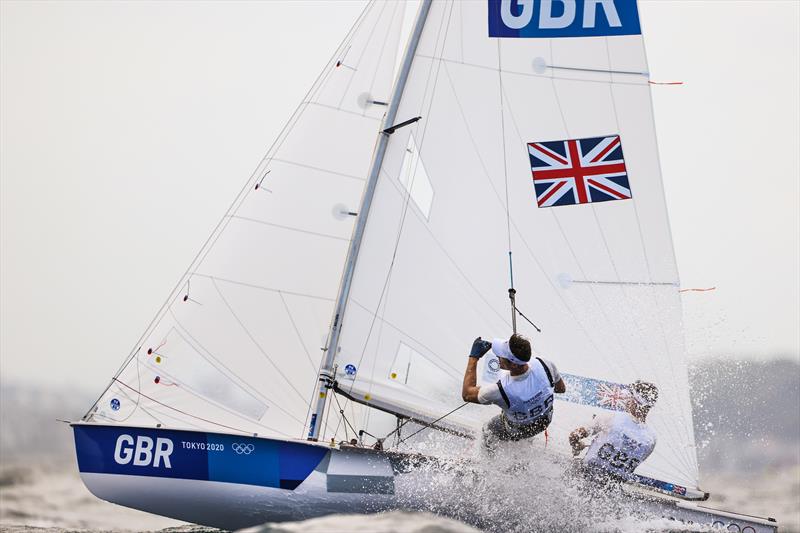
pixel 530 404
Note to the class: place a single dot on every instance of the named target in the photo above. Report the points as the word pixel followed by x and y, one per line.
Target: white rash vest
pixel 530 395
pixel 621 443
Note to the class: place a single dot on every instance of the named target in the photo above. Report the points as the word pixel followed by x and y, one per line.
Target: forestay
pixel 484 172
pixel 236 347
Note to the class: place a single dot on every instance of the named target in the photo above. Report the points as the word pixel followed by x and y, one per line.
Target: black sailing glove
pixel 479 348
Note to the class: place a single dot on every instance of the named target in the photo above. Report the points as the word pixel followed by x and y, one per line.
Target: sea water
pixel 746 421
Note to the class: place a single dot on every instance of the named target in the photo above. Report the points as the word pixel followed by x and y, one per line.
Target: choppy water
pixel 746 420
pixel 52 497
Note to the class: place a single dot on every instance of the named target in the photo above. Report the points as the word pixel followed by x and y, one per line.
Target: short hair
pixel 520 347
pixel 648 391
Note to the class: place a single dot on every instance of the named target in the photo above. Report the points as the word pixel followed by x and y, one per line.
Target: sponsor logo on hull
pixel 195 455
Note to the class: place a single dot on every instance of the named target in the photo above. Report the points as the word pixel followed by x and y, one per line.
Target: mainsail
pixel 236 347
pixel 456 199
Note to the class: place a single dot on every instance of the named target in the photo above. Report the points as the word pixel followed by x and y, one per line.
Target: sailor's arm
pixel 575 440
pixel 470 389
pixel 598 424
pixel 560 387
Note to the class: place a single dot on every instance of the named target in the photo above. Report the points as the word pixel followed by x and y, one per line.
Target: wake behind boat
pixel 511 151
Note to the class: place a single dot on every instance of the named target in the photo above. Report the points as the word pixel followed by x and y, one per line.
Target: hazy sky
pixel 127 128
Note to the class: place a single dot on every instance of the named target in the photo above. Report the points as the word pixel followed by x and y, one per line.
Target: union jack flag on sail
pixel 579 171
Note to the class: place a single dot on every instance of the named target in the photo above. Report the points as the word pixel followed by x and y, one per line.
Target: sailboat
pixel 309 361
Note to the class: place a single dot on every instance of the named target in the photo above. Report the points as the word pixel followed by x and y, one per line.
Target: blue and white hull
pixel 231 481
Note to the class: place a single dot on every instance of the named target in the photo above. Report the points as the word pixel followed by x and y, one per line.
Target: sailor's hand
pixel 479 348
pixel 577 447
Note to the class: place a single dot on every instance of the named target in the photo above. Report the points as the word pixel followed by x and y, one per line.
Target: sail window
pixel 415 179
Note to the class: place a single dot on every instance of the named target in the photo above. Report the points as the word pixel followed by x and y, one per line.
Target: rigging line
pixel 428 426
pixel 393 21
pixel 505 156
pixel 526 318
pixel 195 416
pixel 262 287
pixel 255 342
pixel 344 417
pixel 297 332
pixel 287 128
pixel 136 407
pixel 407 201
pixel 687 425
pixel 397 430
pixel 374 27
pixel 289 228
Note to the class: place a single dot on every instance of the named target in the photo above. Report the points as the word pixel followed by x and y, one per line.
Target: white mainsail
pixel 455 195
pixel 237 345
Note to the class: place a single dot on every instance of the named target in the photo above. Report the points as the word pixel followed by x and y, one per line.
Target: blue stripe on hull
pixel 195 455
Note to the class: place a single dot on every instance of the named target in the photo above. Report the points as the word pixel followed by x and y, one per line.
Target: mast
pixel 326 371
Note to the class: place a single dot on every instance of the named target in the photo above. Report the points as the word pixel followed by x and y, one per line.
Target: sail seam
pixel 257 396
pixel 340 110
pixel 255 342
pixel 262 287
pixel 289 228
pixel 312 167
pixel 195 416
pixel 299 337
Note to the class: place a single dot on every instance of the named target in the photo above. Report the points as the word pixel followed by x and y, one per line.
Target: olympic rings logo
pixel 245 449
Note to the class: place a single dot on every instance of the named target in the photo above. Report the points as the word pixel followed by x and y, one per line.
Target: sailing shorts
pixel 500 429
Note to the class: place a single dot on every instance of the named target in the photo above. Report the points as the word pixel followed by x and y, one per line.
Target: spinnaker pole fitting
pixel 512 294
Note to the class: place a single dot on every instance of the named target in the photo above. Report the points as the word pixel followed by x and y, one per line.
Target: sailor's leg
pixel 494 432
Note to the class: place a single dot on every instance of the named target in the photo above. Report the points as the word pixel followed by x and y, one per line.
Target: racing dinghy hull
pixel 233 481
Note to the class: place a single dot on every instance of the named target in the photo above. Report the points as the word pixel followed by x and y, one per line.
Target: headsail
pixel 237 345
pixel 507 125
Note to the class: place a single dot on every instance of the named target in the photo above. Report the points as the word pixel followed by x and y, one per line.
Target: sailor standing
pixel 623 440
pixel 524 393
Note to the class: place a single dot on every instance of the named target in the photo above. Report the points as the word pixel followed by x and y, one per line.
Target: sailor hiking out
pixel 622 440
pixel 524 392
